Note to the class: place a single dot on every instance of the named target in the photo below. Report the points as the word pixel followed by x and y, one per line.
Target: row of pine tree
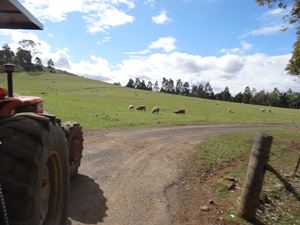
pixel 287 99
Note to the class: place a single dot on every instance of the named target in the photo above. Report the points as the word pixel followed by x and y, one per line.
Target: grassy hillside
pixel 100 105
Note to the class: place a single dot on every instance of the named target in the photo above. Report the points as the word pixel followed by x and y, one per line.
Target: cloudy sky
pixel 227 43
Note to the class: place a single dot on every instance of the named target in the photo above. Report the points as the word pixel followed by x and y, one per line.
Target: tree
pixel 156 87
pixel 293 66
pixel 137 83
pixel 164 85
pixel 247 95
pixel 238 97
pixel 200 91
pixel 293 17
pixel 194 90
pixel 219 96
pixel 50 65
pixel 26 43
pixel 226 96
pixel 38 61
pixel 23 59
pixel 260 98
pixel 186 89
pixel 29 45
pixel 130 83
pixel 38 64
pixel 253 93
pixel 149 86
pixel 167 86
pixel 293 99
pixel 274 97
pixel 283 100
pixel 171 89
pixel 208 91
pixel 142 85
pixel 6 54
pixel 178 88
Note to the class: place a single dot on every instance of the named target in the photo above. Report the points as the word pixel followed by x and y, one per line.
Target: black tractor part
pixel 34 171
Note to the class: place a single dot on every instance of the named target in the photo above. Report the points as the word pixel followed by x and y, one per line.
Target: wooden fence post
pixel 259 157
pixel 297 166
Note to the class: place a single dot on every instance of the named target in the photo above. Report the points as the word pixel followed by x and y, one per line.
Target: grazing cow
pixel 155 109
pixel 180 111
pixel 130 107
pixel 141 108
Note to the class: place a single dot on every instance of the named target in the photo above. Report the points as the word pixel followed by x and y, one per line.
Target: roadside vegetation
pixel 222 162
pixel 98 105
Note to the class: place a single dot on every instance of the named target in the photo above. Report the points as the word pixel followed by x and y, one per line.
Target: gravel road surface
pixel 125 172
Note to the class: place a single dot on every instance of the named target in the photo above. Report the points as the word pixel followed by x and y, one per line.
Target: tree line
pixel 23 57
pixel 287 99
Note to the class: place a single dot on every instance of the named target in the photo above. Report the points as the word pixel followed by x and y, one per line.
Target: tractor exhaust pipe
pixel 9 69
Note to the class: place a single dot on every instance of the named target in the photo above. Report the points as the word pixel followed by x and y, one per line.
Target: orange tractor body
pixel 10 105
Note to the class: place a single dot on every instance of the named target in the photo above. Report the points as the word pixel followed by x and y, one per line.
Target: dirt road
pixel 125 172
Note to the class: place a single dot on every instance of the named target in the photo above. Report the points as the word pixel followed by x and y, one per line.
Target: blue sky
pixel 227 43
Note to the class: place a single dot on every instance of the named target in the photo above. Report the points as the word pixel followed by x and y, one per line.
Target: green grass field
pixel 98 105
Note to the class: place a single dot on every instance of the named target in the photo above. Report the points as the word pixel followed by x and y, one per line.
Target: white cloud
pixel 130 4
pixel 162 18
pixel 104 40
pixel 53 10
pixel 150 2
pixel 166 43
pixel 266 30
pixel 142 52
pixel 103 21
pixel 274 12
pixel 95 68
pixel 231 50
pixel 245 46
pixel 271 22
pixel 61 59
pixel 99 15
pixel 230 63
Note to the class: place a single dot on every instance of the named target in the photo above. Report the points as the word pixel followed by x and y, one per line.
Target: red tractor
pixel 38 153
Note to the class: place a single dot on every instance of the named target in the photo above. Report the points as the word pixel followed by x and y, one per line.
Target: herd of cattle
pixel 155 109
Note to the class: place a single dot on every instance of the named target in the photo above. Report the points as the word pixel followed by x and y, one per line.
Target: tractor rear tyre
pixel 34 171
pixel 74 136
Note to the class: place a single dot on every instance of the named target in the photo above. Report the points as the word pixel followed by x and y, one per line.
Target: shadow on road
pixel 87 203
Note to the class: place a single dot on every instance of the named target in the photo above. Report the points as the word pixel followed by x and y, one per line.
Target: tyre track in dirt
pixel 125 172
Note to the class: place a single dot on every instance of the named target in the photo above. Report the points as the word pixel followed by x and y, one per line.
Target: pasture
pixel 98 105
